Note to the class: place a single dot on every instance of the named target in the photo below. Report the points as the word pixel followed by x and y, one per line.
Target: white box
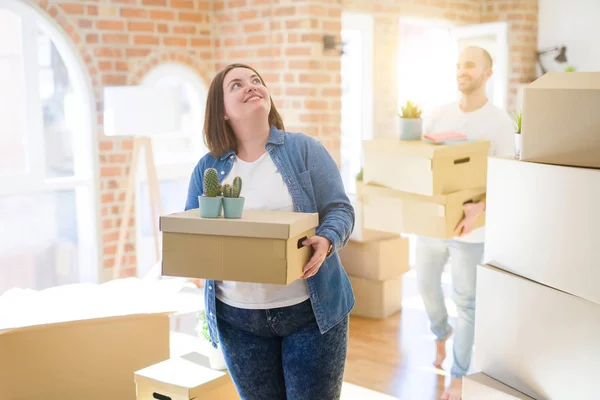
pixel 479 386
pixel 538 340
pixel 543 223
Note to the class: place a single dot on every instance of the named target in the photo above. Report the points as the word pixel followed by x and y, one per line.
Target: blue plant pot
pixel 410 128
pixel 210 207
pixel 233 207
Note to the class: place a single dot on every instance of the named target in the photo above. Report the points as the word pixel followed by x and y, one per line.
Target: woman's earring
pixel 226 117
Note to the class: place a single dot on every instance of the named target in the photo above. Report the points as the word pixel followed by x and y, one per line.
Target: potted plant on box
pixel 233 204
pixel 215 356
pixel 211 201
pixel 410 124
pixel 517 135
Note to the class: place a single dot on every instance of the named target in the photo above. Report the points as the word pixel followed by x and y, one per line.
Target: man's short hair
pixel 486 54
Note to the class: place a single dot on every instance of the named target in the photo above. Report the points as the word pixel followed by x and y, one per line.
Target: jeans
pixel 280 353
pixel 431 257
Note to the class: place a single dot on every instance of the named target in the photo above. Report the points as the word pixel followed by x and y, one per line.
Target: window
pixel 48 209
pixel 357 94
pixel 175 155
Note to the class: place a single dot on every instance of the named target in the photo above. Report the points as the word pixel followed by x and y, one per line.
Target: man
pixel 475 116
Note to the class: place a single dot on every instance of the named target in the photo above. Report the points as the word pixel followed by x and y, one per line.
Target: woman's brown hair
pixel 218 135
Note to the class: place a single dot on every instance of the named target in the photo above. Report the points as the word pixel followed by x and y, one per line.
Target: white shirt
pixel 263 188
pixel 486 123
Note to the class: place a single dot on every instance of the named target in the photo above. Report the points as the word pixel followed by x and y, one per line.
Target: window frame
pixel 84 181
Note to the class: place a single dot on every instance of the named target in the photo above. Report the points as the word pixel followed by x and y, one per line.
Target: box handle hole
pixel 462 160
pixel 160 396
pixel 300 245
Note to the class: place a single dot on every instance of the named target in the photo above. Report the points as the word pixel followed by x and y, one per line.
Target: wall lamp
pixel 330 43
pixel 561 57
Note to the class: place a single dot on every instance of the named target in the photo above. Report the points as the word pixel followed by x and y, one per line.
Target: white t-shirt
pixel 263 188
pixel 486 123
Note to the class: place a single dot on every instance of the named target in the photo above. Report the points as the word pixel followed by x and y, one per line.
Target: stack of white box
pixel 537 326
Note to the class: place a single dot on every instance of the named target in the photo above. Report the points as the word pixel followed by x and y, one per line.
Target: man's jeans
pixel 280 354
pixel 431 257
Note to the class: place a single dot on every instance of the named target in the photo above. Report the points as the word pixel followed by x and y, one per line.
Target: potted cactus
pixel 233 204
pixel 410 123
pixel 517 135
pixel 211 201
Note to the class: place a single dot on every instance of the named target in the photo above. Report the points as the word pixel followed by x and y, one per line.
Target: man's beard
pixel 471 85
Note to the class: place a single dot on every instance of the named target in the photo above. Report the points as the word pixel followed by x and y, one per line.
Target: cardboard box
pixel 424 168
pixel 542 223
pixel 261 247
pixel 479 386
pixel 376 299
pixel 561 122
pixel 538 340
pixel 84 359
pixel 184 378
pixel 379 256
pixel 389 210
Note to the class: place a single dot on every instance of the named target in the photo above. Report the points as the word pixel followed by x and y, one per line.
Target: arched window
pixel 175 154
pixel 48 196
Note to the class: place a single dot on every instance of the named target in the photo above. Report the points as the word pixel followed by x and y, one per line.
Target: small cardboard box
pixel 376 299
pixel 536 339
pixel 542 224
pixel 561 122
pixel 424 168
pixel 479 386
pixel 389 210
pixel 378 256
pixel 260 247
pixel 84 359
pixel 184 378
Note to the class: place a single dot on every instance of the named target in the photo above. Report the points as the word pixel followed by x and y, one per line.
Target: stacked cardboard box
pixel 375 262
pixel 538 294
pixel 415 187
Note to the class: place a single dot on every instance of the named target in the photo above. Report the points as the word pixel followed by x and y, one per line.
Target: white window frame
pixel 183 168
pixel 85 155
pixel 363 23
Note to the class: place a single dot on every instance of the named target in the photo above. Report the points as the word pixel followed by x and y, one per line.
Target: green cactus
pixel 227 190
pixel 236 188
pixel 410 110
pixel 212 188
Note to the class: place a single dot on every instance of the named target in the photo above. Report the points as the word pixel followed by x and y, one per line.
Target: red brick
pixel 159 3
pixel 107 52
pixel 114 80
pixel 184 29
pixel 121 66
pixel 133 13
pixel 105 145
pixel 182 4
pixel 137 52
pixel 200 42
pixel 162 28
pixel 298 51
pixel 285 11
pixel 85 23
pixel 109 25
pixel 107 198
pixel 145 39
pixel 175 41
pixel 162 15
pixel 73 8
pixel 236 3
pixel 254 27
pixel 92 10
pixel 104 65
pixel 110 171
pixel 190 16
pixel 257 39
pixel 115 38
pixel 141 26
pixel 91 38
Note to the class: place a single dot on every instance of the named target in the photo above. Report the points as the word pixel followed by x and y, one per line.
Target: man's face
pixel 472 70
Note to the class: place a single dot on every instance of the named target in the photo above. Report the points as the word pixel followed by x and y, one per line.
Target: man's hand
pixel 320 246
pixel 472 212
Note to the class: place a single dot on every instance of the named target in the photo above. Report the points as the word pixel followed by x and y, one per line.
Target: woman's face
pixel 244 95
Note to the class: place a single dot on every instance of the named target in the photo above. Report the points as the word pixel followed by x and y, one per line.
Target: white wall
pixel 575 24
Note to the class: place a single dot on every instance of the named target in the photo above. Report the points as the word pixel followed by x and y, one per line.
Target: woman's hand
pixel 320 246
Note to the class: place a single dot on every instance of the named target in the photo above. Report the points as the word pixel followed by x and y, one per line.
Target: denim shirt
pixel 315 185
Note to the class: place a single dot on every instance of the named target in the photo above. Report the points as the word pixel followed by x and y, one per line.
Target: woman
pixel 279 341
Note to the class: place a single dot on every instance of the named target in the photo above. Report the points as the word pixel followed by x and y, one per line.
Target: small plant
pixel 233 191
pixel 203 325
pixel 212 187
pixel 359 176
pixel 410 110
pixel 570 68
pixel 517 121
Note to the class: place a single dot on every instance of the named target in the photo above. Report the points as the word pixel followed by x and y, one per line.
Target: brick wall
pixel 120 40
pixel 283 40
pixel 522 18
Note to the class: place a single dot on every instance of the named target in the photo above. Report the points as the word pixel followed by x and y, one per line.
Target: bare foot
pixel 454 390
pixel 440 351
